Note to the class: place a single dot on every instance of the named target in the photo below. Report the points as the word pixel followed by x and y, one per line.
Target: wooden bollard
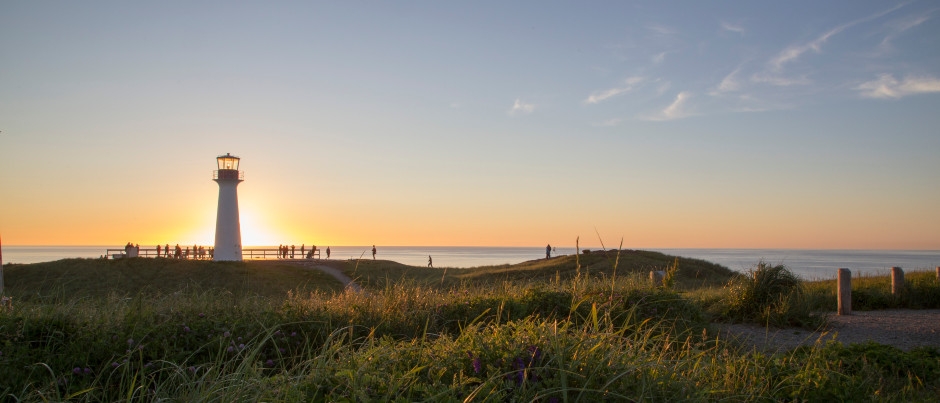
pixel 938 273
pixel 897 280
pixel 656 277
pixel 844 292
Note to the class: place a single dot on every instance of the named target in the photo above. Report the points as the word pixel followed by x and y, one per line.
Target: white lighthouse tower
pixel 228 234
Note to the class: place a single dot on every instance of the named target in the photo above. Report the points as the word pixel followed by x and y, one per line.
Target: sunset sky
pixel 738 124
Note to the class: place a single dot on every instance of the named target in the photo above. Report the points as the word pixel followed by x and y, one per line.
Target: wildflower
pixel 130 342
pixel 115 364
pixel 477 365
pixel 241 346
pixel 202 315
pixel 186 328
pixel 293 334
pixel 192 369
pixel 230 349
pixel 76 370
pixel 226 334
pixel 87 370
pixel 269 362
pixel 281 350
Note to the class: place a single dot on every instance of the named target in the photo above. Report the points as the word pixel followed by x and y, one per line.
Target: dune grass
pixel 418 334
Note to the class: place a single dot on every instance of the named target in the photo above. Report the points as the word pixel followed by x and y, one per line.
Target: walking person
pixel 327 252
pixel 373 252
pixel 548 251
pixel 430 264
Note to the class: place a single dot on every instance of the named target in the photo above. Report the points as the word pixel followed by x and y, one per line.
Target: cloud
pixel 659 58
pixel 521 107
pixel 599 96
pixel 661 29
pixel 728 84
pixel 779 81
pixel 727 26
pixel 901 25
pixel 886 86
pixel 794 52
pixel 675 110
pixel 609 123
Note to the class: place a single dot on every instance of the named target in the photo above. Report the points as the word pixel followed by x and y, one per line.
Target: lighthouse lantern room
pixel 228 238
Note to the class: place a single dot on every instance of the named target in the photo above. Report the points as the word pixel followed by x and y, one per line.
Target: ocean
pixel 809 264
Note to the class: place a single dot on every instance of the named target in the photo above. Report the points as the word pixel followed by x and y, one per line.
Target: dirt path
pixel 348 283
pixel 901 328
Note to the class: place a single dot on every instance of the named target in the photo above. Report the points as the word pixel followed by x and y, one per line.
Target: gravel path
pixel 902 328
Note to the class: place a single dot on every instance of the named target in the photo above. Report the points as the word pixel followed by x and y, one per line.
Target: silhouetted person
pixel 158 250
pixel 373 252
pixel 302 249
pixel 166 250
pixel 430 264
pixel 292 249
pixel 179 252
pixel 548 251
pixel 327 252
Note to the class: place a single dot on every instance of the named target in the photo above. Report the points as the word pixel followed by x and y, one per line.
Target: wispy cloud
pixel 778 80
pixel 661 29
pixel 886 86
pixel 599 96
pixel 658 58
pixel 794 52
pixel 676 110
pixel 609 123
pixel 729 84
pixel 899 26
pixel 521 107
pixel 727 26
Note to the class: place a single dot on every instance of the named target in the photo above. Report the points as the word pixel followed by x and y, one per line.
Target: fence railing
pixel 204 253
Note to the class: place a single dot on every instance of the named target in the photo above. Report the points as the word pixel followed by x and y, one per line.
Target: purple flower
pixel 281 350
pixel 293 334
pixel 192 369
pixel 226 334
pixel 130 342
pixel 269 363
pixel 115 364
pixel 202 315
pixel 76 370
pixel 241 346
pixel 477 365
pixel 230 349
pixel 186 328
pixel 87 370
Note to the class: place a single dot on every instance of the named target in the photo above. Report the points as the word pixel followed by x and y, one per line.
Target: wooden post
pixel 938 273
pixel 844 292
pixel 656 277
pixel 897 280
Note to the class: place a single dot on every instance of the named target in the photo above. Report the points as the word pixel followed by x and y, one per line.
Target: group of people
pixel 197 252
pixel 285 252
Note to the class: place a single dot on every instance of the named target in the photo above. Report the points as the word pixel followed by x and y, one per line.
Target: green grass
pixel 540 331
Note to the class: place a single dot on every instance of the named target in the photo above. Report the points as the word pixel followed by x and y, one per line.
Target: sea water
pixel 807 263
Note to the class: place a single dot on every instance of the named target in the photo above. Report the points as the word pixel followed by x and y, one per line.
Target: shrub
pixel 769 295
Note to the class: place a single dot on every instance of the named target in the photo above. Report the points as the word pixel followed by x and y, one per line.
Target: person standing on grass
pixel 373 252
pixel 327 252
pixel 431 265
pixel 548 251
pixel 158 250
pixel 166 250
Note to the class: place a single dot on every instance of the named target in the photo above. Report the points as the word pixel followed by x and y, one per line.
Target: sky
pixel 680 124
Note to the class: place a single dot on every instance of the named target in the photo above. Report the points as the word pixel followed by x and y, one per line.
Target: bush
pixel 769 295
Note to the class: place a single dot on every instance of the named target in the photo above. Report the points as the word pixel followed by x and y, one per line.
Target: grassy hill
pixel 271 278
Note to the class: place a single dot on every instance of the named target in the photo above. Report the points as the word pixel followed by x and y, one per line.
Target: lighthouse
pixel 228 235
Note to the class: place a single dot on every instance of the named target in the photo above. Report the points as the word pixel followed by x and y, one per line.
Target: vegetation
pixel 770 295
pixel 574 328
